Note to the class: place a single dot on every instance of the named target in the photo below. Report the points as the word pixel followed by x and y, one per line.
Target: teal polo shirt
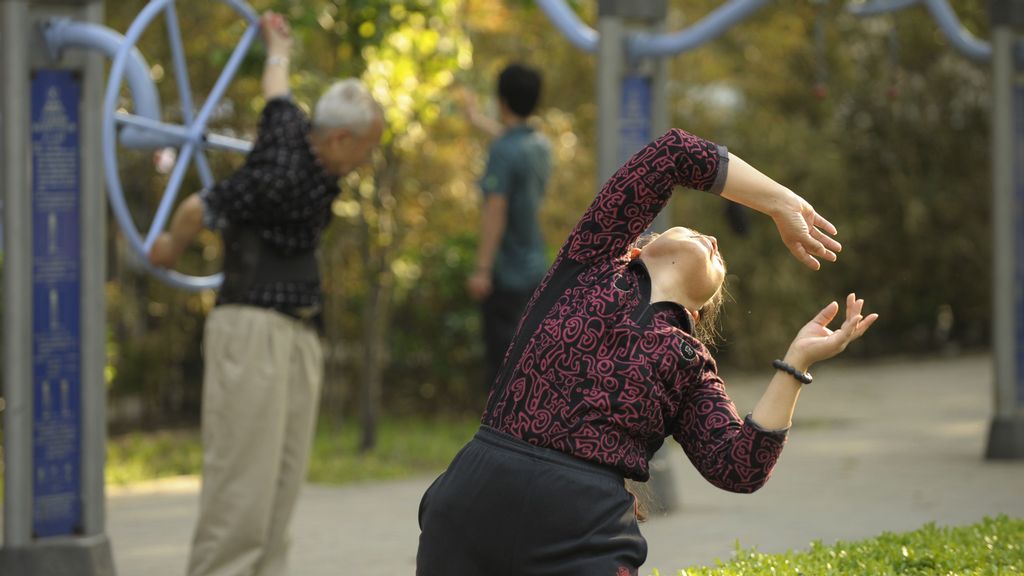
pixel 518 168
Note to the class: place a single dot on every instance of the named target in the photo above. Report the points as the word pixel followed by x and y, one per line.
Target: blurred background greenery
pixel 882 126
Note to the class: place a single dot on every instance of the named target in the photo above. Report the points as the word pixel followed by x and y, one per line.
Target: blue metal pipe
pixel 176 136
pixel 961 38
pixel 579 34
pixel 234 62
pixel 707 29
pixel 878 7
pixel 965 42
pixel 163 211
pixel 61 33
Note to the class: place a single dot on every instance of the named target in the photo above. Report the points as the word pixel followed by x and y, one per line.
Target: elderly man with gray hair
pixel 263 361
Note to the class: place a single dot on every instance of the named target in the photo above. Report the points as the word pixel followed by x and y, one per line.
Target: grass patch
pixel 138 456
pixel 992 547
pixel 405 447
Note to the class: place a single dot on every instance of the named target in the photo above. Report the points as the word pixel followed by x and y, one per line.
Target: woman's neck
pixel 665 286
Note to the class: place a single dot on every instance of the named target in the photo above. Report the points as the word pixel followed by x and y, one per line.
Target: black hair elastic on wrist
pixel 802 377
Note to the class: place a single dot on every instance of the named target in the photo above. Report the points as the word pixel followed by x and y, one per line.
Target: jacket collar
pixel 674 312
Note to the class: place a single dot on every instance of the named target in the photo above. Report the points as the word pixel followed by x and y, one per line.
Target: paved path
pixel 880 446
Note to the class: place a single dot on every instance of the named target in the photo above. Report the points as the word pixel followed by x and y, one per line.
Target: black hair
pixel 519 88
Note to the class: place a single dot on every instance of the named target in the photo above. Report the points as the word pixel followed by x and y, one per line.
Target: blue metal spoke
pixel 218 142
pixel 184 85
pixel 203 165
pixel 180 65
pixel 175 134
pixel 230 69
pixel 163 212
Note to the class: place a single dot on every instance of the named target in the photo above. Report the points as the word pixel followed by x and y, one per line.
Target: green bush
pixel 990 547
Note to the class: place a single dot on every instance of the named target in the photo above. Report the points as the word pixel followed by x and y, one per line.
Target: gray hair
pixel 346 104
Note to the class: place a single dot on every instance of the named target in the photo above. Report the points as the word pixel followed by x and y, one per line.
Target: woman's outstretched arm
pixel 815 342
pixel 636 193
pixel 807 234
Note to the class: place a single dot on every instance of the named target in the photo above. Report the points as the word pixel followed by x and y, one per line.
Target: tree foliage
pixel 894 151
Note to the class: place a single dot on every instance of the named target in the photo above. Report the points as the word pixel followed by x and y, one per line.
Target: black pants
pixel 501 313
pixel 508 508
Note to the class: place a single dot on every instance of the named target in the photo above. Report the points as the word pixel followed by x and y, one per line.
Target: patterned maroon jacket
pixel 598 371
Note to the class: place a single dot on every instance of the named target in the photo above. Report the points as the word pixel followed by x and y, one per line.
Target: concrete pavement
pixel 876 446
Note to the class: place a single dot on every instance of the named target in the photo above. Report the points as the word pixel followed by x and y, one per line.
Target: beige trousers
pixel 261 390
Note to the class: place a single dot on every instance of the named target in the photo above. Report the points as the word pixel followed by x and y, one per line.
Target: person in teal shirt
pixel 510 257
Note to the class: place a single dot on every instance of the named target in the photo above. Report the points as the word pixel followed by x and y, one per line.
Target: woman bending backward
pixel 605 365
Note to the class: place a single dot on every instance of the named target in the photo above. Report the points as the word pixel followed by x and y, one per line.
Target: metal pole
pixel 17 279
pixel 663 482
pixel 93 298
pixel 611 63
pixel 1006 435
pixel 1002 218
pixel 660 118
pixel 74 341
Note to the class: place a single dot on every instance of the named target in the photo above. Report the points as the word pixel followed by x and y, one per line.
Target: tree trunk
pixel 377 314
pixel 375 320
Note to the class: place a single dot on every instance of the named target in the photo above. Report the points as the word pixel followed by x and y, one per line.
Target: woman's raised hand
pixel 816 342
pixel 807 234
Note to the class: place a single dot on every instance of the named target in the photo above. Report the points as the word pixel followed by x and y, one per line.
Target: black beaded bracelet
pixel 802 377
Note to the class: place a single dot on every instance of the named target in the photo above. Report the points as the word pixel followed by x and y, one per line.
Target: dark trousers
pixel 508 508
pixel 501 312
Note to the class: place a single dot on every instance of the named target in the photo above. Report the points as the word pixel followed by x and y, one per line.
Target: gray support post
pixel 663 481
pixel 618 21
pixel 51 125
pixel 660 117
pixel 1006 433
pixel 17 279
pixel 93 297
pixel 611 65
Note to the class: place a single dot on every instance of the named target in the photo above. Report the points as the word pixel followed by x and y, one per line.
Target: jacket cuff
pixel 723 171
pixel 780 433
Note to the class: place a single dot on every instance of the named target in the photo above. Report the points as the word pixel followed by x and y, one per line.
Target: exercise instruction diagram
pixel 56 284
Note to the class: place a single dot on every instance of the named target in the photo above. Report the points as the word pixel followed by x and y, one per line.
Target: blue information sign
pixel 634 116
pixel 1018 237
pixel 56 262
